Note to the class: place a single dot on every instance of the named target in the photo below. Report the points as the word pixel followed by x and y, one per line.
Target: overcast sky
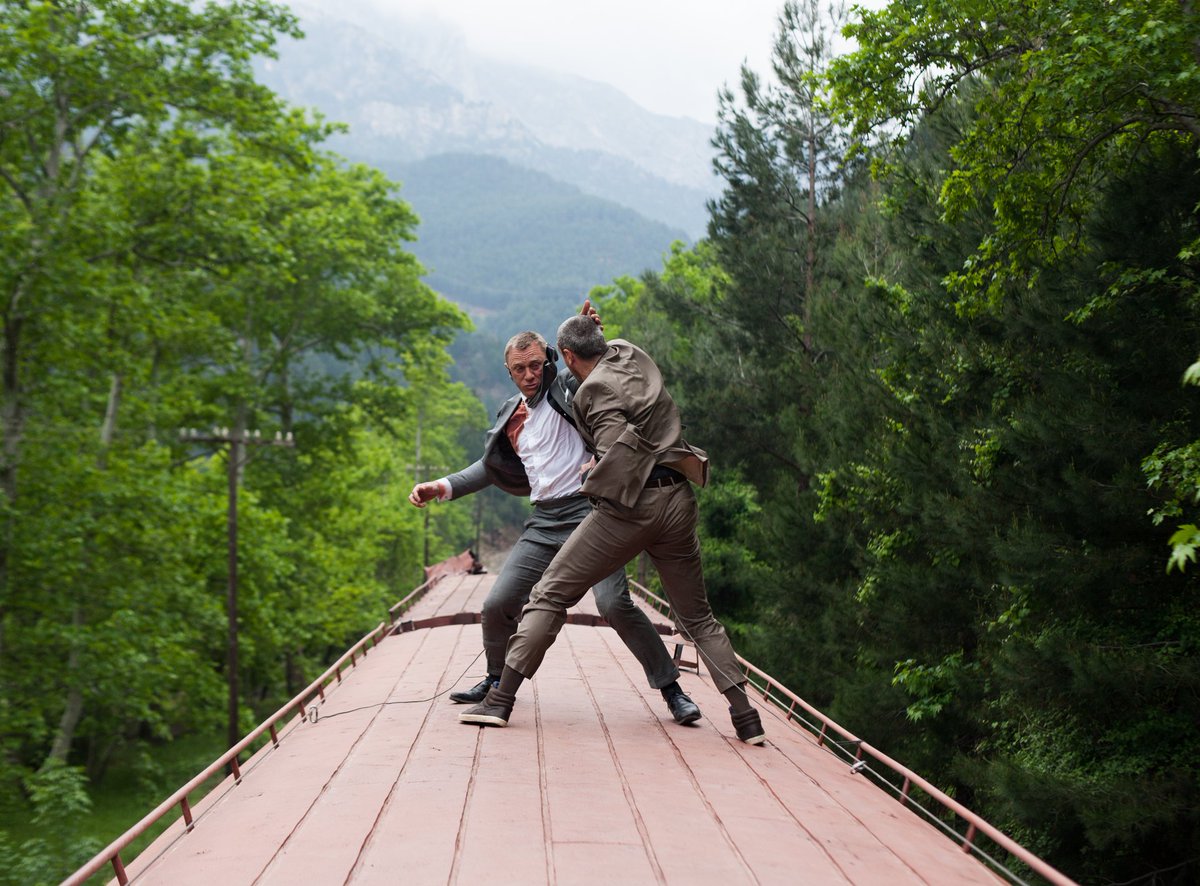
pixel 670 56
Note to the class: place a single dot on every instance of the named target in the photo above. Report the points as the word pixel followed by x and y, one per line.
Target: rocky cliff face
pixel 412 89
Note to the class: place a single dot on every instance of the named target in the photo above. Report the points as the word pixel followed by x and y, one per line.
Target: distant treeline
pixel 494 234
pixel 939 346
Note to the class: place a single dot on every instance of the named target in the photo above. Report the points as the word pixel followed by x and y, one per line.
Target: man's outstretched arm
pixel 423 493
pixel 468 480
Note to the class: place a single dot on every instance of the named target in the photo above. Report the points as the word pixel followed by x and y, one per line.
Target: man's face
pixel 525 367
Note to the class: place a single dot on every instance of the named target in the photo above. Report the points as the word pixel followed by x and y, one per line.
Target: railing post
pixel 970 838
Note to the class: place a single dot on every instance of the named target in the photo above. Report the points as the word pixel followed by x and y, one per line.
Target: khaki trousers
pixel 663 524
pixel 546 531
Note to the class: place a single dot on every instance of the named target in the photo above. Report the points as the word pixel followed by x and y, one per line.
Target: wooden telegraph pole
pixel 419 470
pixel 236 440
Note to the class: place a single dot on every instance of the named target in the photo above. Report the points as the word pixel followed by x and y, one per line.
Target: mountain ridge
pixel 531 187
pixel 417 90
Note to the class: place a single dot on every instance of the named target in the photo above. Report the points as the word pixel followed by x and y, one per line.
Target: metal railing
pixel 821 727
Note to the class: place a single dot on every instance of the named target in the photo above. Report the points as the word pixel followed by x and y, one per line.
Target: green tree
pixel 1076 168
pixel 1019 539
pixel 80 81
pixel 177 251
pixel 1067 97
pixel 947 486
pixel 1065 94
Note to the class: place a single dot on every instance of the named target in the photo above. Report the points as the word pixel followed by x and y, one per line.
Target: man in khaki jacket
pixel 641 500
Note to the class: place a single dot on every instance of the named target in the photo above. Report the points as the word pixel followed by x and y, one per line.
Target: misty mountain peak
pixel 410 87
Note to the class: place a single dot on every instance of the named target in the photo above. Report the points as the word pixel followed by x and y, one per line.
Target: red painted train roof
pixel 591 782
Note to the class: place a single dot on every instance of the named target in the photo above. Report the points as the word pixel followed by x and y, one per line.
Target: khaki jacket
pixel 630 422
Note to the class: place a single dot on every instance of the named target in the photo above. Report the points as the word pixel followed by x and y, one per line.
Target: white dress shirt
pixel 551 451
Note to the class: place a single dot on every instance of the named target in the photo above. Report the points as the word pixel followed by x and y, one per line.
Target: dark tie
pixel 513 428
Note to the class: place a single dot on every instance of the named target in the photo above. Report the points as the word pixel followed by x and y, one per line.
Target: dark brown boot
pixel 748 725
pixel 494 710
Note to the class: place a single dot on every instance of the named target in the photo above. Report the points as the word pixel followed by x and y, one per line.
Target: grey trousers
pixel 547 529
pixel 663 524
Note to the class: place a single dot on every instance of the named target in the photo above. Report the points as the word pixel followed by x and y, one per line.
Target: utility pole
pixel 417 479
pixel 419 471
pixel 236 440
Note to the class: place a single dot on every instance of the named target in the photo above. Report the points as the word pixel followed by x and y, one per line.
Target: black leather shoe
pixel 683 709
pixel 475 694
pixel 748 725
pixel 494 710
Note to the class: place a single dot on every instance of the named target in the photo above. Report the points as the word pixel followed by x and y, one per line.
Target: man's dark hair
pixel 582 336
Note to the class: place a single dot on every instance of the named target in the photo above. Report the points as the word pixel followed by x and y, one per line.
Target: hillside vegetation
pixel 493 234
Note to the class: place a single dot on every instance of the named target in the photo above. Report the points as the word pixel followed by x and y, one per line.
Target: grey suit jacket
pixel 500 465
pixel 628 419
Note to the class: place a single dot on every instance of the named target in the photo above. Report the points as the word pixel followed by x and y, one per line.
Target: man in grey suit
pixel 534 449
pixel 641 500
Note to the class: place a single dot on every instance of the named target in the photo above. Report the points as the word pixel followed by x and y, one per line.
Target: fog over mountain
pixel 531 186
pixel 412 89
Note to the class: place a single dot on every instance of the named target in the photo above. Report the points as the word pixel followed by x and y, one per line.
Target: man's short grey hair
pixel 581 335
pixel 521 341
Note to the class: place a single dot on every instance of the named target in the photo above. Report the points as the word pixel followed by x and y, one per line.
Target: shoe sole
pixel 688 719
pixel 755 739
pixel 482 719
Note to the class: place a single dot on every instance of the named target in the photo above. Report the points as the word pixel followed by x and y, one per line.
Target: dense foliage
pixel 945 409
pixel 177 251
